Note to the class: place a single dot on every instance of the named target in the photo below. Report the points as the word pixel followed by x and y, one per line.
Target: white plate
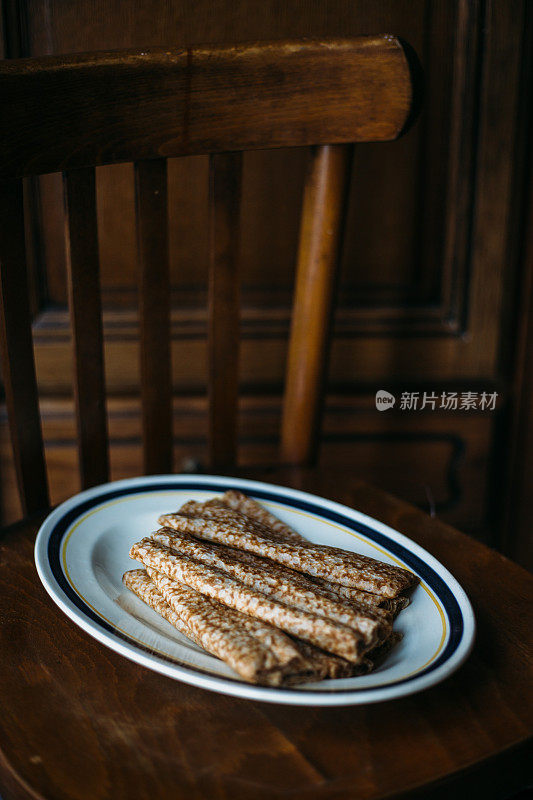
pixel 81 553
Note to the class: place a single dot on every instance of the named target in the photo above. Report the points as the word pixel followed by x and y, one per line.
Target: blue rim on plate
pixel 454 602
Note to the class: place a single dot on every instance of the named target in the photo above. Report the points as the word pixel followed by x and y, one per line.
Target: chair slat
pixel 154 314
pixel 86 322
pixel 18 366
pixel 318 256
pixel 225 175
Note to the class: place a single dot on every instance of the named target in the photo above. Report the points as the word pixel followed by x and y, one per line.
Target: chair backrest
pixel 72 113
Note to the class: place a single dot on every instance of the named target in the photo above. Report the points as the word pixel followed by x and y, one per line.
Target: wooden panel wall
pixel 425 285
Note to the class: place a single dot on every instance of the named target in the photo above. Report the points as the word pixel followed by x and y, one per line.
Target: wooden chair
pixel 79 721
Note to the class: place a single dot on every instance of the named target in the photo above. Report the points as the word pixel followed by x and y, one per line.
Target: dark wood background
pixel 433 278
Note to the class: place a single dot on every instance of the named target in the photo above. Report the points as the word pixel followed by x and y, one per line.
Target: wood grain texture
pixel 16 345
pixel 324 208
pixel 272 178
pixel 504 232
pixel 81 238
pixel 426 458
pixel 78 721
pixel 517 498
pixel 181 102
pixel 225 177
pixel 154 314
pixel 385 326
pixel 463 142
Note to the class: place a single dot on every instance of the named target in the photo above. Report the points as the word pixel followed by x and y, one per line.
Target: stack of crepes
pixel 253 592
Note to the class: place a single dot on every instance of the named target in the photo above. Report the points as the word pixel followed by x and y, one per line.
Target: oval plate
pixel 81 553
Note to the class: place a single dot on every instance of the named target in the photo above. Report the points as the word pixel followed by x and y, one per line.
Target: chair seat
pixel 79 721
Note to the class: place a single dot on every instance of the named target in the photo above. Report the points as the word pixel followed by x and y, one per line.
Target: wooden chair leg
pixel 320 246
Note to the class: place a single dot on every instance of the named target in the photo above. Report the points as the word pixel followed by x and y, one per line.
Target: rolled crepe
pixel 376 656
pixel 330 666
pixel 393 605
pixel 221 513
pixel 221 632
pixel 281 645
pixel 280 583
pixel 254 510
pixel 298 661
pixel 314 664
pixel 325 664
pixel 321 561
pixel 323 633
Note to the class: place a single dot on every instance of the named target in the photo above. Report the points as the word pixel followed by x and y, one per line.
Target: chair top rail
pixel 64 112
